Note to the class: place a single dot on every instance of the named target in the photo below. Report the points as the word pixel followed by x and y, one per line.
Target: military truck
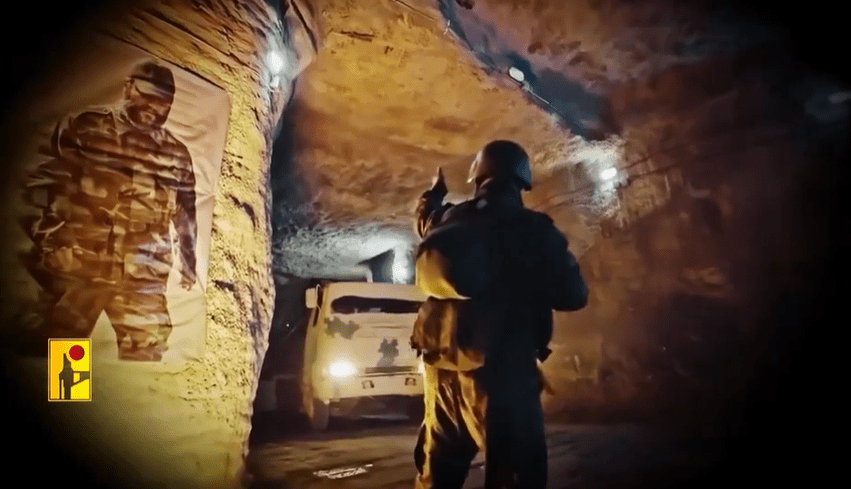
pixel 357 357
pixel 347 353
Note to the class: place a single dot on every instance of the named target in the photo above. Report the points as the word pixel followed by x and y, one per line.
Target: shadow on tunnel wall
pixel 282 363
pixel 291 193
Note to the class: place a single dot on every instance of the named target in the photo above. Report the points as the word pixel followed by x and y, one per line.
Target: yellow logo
pixel 69 369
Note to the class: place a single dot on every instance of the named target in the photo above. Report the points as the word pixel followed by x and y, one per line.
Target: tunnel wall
pixel 711 280
pixel 186 425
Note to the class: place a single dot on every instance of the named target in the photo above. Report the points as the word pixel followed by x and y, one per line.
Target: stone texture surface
pixel 704 254
pixel 187 426
pixel 401 88
pixel 391 97
pixel 717 127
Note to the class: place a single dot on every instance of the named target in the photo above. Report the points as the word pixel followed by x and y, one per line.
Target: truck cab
pixel 357 354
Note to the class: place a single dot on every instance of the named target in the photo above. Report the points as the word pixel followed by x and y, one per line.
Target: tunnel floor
pixel 377 453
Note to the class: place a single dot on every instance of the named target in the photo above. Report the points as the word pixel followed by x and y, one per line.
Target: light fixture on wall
pixel 275 62
pixel 517 74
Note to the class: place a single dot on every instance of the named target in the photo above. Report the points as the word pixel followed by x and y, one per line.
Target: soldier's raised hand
pixel 438 186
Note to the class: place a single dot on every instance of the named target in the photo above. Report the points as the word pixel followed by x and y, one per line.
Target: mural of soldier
pixel 115 183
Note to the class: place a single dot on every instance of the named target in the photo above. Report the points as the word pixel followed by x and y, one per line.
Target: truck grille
pixel 390 370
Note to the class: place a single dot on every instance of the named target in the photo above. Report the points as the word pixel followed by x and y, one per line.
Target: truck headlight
pixel 342 369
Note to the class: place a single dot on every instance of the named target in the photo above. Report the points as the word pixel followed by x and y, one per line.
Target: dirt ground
pixel 373 453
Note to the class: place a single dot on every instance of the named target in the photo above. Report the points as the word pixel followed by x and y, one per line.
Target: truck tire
pixel 321 415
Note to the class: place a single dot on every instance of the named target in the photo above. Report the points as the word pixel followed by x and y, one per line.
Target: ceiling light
pixel 609 173
pixel 516 74
pixel 275 61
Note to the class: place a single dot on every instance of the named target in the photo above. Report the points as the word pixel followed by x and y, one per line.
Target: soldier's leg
pixel 159 310
pixel 499 473
pixel 517 446
pixel 70 314
pixel 531 448
pixel 140 318
pixel 76 312
pixel 473 406
pixel 445 447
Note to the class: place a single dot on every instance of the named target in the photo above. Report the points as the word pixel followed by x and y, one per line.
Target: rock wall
pixel 713 275
pixel 187 426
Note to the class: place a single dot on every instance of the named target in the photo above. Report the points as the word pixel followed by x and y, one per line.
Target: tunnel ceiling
pixel 400 88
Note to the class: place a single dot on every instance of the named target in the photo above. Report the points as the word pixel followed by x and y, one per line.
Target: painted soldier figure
pixel 116 183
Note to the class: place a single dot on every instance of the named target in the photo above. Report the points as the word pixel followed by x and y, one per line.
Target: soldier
pixel 115 183
pixel 483 334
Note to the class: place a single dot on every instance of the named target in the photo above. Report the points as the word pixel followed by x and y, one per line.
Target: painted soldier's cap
pixel 160 79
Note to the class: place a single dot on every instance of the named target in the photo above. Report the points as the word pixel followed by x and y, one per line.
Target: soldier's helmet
pixel 157 75
pixel 502 160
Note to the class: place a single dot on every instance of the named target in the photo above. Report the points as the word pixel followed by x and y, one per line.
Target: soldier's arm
pixel 77 136
pixel 63 139
pixel 185 219
pixel 40 185
pixel 49 177
pixel 430 210
pixel 563 285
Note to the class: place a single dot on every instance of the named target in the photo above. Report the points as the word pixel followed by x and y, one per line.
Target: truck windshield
pixel 351 304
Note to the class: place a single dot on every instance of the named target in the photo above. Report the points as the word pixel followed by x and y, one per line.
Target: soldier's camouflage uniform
pixel 482 378
pixel 108 196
